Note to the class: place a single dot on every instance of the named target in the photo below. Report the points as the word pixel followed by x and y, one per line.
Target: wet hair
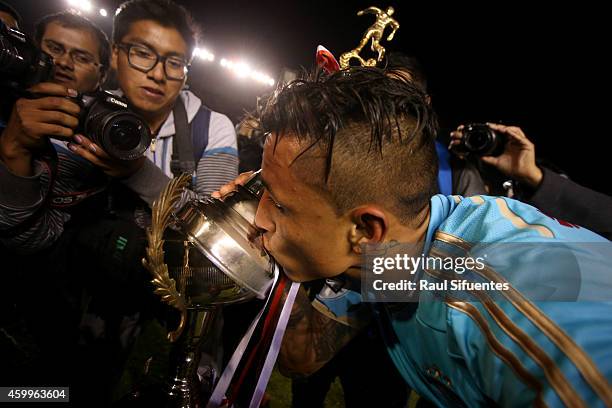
pixel 164 12
pixel 70 19
pixel 398 61
pixel 7 8
pixel 369 137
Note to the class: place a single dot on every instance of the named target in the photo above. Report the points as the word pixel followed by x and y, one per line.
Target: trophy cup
pixel 221 263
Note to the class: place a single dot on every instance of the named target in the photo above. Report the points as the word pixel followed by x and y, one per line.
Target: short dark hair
pixel 165 12
pixel 7 8
pixel 374 132
pixel 399 61
pixel 70 19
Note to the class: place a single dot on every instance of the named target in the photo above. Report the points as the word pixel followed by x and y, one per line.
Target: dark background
pixel 543 67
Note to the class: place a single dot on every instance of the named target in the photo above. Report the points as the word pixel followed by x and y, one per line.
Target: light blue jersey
pixel 546 341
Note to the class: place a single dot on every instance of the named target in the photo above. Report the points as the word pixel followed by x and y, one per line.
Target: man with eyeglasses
pixel 37 174
pixel 153 43
pixel 38 129
pixel 80 53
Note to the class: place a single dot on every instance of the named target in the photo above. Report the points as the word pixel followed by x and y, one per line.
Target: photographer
pixel 153 43
pixel 33 166
pixel 39 178
pixel 552 193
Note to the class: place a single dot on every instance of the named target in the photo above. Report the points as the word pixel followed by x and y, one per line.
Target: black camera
pixel 105 118
pixel 22 64
pixel 480 140
pixel 107 121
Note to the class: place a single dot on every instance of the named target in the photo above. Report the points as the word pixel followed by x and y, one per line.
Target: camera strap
pixel 182 159
pixel 65 200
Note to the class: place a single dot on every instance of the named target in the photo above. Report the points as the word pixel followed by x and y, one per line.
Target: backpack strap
pixel 182 157
pixel 190 139
pixel 199 132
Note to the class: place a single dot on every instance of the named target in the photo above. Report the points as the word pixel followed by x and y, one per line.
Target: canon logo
pixel 116 102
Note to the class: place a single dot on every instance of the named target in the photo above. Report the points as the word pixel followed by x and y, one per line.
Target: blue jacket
pixel 546 341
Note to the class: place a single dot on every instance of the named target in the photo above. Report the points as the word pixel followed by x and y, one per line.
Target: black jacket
pixel 562 198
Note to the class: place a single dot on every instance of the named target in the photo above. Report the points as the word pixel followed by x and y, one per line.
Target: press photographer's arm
pixel 111 166
pixel 32 121
pixel 26 179
pixel 554 194
pixel 518 159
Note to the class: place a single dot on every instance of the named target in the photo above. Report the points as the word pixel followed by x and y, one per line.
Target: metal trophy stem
pixel 185 389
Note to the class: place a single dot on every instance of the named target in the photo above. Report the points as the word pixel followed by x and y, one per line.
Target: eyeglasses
pixel 145 59
pixel 78 57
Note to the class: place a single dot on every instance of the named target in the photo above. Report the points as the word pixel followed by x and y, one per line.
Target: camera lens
pixel 479 140
pixel 124 135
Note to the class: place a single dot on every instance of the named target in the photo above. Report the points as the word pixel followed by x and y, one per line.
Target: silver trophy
pixel 222 262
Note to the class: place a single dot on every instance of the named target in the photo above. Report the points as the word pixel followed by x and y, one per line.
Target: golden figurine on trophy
pixel 375 33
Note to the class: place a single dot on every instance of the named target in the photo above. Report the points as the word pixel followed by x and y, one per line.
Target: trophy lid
pixel 224 232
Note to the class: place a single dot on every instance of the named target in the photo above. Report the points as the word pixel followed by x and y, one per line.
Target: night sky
pixel 544 67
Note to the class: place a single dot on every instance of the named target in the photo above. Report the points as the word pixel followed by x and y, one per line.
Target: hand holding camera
pixel 119 137
pixel 33 120
pixel 504 147
pixel 111 166
pixel 45 110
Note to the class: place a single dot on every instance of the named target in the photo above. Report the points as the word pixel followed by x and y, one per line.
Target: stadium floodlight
pixel 243 70
pixel 82 5
pixel 204 54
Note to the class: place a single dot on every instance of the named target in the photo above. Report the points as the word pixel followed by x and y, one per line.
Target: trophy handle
pixel 165 286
